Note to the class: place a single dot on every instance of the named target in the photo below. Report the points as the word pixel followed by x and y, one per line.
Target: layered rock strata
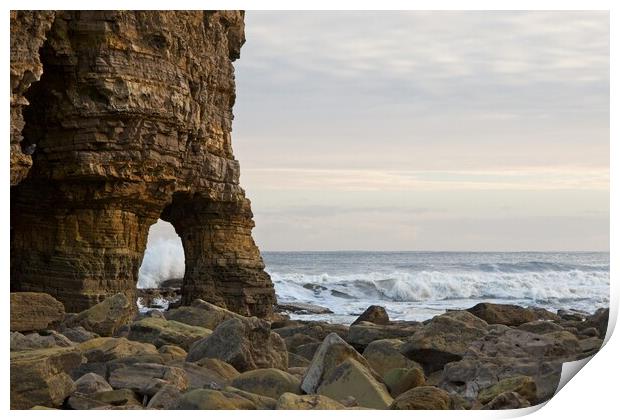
pixel 129 122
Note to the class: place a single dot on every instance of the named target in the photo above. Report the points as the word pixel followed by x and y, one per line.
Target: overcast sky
pixel 473 131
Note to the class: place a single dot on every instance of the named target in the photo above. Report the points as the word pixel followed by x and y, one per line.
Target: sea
pixel 419 285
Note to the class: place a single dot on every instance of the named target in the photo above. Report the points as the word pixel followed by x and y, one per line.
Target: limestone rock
pixel 375 314
pixel 91 383
pixel 268 382
pixel 364 333
pixel 246 344
pixel 223 369
pixel 130 122
pixel 315 329
pixel 400 380
pixel 385 355
pixel 522 385
pixel 290 401
pixel 104 349
pixel 167 398
pixel 332 352
pixel 39 341
pixel 599 320
pixel 118 398
pixel 201 314
pixel 160 332
pixel 261 402
pixel 35 311
pixel 139 377
pixel 423 398
pixel 511 315
pixel 40 377
pixel 540 327
pixel 106 317
pixel 78 334
pixel 508 400
pixel 173 352
pixel 351 378
pixel 209 399
pixel 444 339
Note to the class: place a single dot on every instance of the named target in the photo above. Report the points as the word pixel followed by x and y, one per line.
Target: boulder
pixel 139 377
pixel 507 401
pixel 351 378
pixel 385 355
pixel 202 376
pixel 540 327
pixel 201 314
pixel 261 402
pixel 364 333
pixel 331 353
pixel 316 329
pixel 106 317
pixel 104 349
pixel 375 314
pixel 289 401
pixel 295 360
pixel 246 344
pixel 444 339
pixel 172 352
pixel 423 398
pixel 35 311
pixel 79 401
pixel 511 315
pixel 167 398
pixel 33 341
pixel 268 382
pixel 307 351
pixel 522 385
pixel 589 346
pixel 91 383
pixel 209 399
pixel 118 398
pixel 40 377
pixel 599 320
pixel 78 334
pixel 302 308
pixel 296 340
pixel 223 369
pixel 400 380
pixel 161 332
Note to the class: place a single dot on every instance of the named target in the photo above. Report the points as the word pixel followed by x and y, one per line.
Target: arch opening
pixel 161 273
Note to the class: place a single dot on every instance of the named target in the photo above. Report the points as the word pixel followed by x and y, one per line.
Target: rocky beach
pixel 202 356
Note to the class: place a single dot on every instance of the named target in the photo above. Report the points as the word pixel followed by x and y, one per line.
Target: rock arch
pixel 132 121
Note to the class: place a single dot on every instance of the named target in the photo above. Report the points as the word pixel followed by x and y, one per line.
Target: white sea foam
pixel 164 259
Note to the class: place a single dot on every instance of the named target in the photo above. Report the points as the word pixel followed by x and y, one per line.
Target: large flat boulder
pixel 444 339
pixel 161 332
pixel 210 399
pixel 246 344
pixel 511 315
pixel 140 377
pixel 104 349
pixel 91 383
pixel 201 314
pixel 41 377
pixel 35 311
pixel 351 378
pixel 363 333
pixel 268 382
pixel 385 355
pixel 423 398
pixel 290 401
pixel 106 317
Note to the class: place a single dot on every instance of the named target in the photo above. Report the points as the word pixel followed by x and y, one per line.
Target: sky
pixel 445 131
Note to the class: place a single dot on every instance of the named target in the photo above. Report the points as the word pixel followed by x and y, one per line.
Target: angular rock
pixel 161 332
pixel 364 333
pixel 511 315
pixel 268 382
pixel 104 349
pixel 107 317
pixel 332 352
pixel 201 314
pixel 295 360
pixel 167 398
pixel 375 314
pixel 38 341
pixel 296 340
pixel 385 355
pixel 599 320
pixel 225 370
pixel 173 352
pixel 444 339
pixel 78 334
pixel 302 308
pixel 208 399
pixel 423 398
pixel 540 327
pixel 315 329
pixel 118 398
pixel 507 401
pixel 522 385
pixel 401 380
pixel 79 401
pixel 260 401
pixel 351 378
pixel 35 311
pixel 139 377
pixel 289 401
pixel 246 344
pixel 40 377
pixel 91 383
pixel 201 376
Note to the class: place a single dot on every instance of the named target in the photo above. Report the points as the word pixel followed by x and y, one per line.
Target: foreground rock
pixel 289 401
pixel 363 333
pixel 246 344
pixel 41 377
pixel 91 383
pixel 444 339
pixel 107 317
pixel 44 339
pixel 104 349
pixel 35 311
pixel 142 377
pixel 511 315
pixel 161 332
pixel 375 314
pixel 208 399
pixel 524 386
pixel 385 355
pixel 201 314
pixel 423 398
pixel 268 382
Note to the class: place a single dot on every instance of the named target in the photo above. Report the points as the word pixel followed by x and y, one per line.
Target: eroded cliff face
pixel 129 122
